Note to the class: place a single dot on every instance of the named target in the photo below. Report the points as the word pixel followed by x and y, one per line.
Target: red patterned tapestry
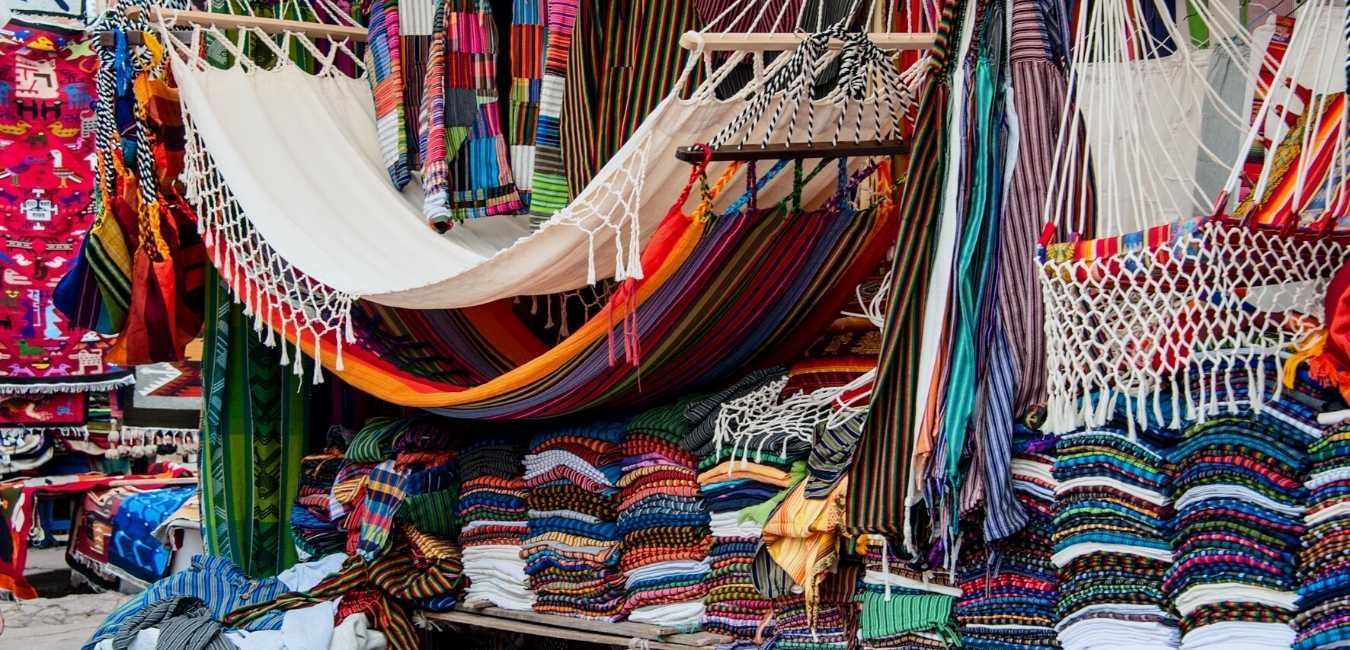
pixel 43 411
pixel 46 180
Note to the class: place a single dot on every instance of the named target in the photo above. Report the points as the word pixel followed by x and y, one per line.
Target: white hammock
pixel 283 168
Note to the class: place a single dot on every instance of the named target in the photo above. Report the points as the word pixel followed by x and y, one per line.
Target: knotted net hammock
pixel 1155 321
pixel 285 173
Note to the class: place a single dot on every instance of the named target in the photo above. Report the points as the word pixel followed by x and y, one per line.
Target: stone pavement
pixel 54 623
pixel 59 621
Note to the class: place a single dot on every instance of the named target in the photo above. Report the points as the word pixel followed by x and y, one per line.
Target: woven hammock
pixel 320 256
pixel 285 174
pixel 1157 321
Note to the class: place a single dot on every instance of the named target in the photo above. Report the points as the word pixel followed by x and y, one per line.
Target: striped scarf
pixel 884 453
pixel 385 63
pixel 463 116
pixel 548 180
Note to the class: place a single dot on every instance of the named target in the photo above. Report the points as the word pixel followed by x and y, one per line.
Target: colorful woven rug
pixel 46 146
pixel 167 397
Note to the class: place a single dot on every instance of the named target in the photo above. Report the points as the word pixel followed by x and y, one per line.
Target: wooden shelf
pixel 798 151
pixel 620 634
pixel 760 42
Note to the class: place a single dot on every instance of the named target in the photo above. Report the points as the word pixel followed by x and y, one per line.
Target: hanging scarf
pixel 253 434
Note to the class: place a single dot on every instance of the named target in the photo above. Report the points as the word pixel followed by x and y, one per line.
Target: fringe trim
pixel 66 386
pixel 150 431
pixel 74 432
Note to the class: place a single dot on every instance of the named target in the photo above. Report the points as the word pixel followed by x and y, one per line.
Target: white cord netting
pixel 1159 329
pixel 272 291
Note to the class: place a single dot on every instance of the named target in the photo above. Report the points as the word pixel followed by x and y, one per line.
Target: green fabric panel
pixel 253 439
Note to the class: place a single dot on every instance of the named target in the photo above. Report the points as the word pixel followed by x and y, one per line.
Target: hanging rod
pixel 749 42
pixel 230 21
pixel 797 151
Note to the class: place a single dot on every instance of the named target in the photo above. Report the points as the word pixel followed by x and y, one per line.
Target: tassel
pixel 318 359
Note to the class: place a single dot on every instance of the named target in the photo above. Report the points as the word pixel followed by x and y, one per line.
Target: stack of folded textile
pixel 572 548
pixel 492 518
pixel 1111 542
pixel 902 608
pixel 312 523
pixel 733 607
pixel 1012 606
pixel 832 624
pixel 663 522
pixel 1238 501
pixel 1324 585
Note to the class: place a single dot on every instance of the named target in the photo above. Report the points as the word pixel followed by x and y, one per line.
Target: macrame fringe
pixel 66 387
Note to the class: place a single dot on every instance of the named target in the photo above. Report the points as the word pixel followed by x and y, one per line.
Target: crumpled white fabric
pixel 306 575
pixel 307 628
pixel 354 633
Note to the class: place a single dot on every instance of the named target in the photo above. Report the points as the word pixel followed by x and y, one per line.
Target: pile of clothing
pixel 312 524
pixel 902 608
pixel 492 519
pixel 730 487
pixel 1111 543
pixel 392 491
pixel 1008 600
pixel 572 548
pixel 1238 502
pixel 1324 573
pixel 188 608
pixel 663 522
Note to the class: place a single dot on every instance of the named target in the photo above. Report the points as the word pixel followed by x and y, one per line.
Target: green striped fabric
pixel 253 434
pixel 882 460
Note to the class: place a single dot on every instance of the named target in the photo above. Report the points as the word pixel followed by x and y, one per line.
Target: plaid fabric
pixel 382 496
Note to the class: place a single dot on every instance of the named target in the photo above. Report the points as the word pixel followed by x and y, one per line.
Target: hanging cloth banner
pixel 46 146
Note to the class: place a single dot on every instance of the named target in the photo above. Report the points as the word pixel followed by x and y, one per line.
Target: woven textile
pixel 884 453
pixel 46 111
pixel 1111 541
pixel 221 584
pixel 140 272
pixel 547 180
pixel 572 546
pixel 1324 600
pixel 493 516
pixel 474 179
pixel 253 436
pixel 385 64
pixel 663 521
pixel 1012 606
pixel 1238 521
pixel 133 547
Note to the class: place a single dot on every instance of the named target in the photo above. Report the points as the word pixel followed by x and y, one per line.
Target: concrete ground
pixel 63 617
